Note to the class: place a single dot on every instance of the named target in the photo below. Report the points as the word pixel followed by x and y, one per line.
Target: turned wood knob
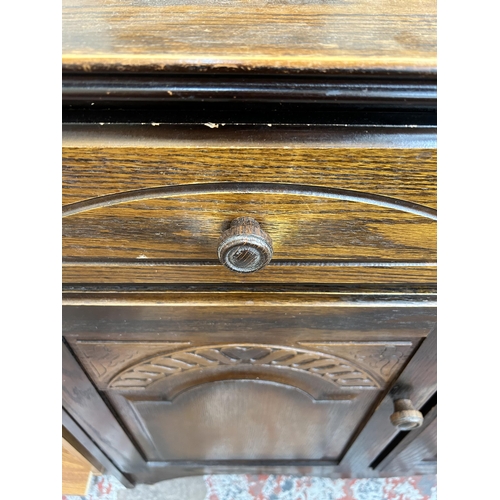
pixel 405 417
pixel 245 247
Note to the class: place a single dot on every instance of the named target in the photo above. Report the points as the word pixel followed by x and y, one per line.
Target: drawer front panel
pixel 154 212
pixel 301 228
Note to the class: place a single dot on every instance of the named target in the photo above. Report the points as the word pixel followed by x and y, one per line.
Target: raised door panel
pixel 244 377
pixel 243 401
pixel 244 420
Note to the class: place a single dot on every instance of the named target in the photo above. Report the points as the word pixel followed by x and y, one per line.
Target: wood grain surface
pixel 175 239
pixel 407 174
pixel 279 36
pixel 227 298
pixel 302 323
pixel 76 473
pixel 300 228
pixel 96 272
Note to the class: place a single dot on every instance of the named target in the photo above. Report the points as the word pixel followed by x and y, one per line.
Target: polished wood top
pixel 277 36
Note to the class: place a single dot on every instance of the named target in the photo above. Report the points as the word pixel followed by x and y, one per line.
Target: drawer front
pixel 334 212
pixel 244 382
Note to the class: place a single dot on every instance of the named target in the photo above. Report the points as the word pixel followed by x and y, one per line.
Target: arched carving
pixel 247 358
pixel 250 187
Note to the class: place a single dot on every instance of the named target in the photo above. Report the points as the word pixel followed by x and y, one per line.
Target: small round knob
pixel 405 417
pixel 245 247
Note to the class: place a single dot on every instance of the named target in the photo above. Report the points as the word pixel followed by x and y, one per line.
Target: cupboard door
pixel 246 401
pixel 191 386
pixel 416 453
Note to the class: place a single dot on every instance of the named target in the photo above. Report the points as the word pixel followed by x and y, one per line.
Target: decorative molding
pixel 365 89
pixel 331 369
pixel 385 361
pixel 105 358
pixel 249 188
pixel 356 136
pixel 382 359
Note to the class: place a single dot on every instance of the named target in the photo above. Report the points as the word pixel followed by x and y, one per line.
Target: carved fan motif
pixel 335 370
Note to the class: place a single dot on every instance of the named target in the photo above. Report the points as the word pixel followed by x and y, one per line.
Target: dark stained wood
pixel 339 325
pixel 161 471
pixel 219 353
pixel 84 404
pixel 165 89
pixel 212 380
pixel 407 291
pixel 249 416
pixel 279 36
pixel 326 371
pixel 117 335
pixel 341 322
pixel 287 135
pixel 74 434
pixel 418 381
pixel 305 191
pixel 417 449
pixel 108 341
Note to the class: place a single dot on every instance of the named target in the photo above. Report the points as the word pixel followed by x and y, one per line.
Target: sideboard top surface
pixel 275 36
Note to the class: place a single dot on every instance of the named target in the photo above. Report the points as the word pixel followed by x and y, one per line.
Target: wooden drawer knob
pixel 405 417
pixel 245 247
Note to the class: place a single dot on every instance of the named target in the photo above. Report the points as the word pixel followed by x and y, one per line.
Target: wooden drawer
pixel 148 204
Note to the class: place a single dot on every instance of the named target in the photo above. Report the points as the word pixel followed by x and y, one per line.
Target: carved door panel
pixel 244 400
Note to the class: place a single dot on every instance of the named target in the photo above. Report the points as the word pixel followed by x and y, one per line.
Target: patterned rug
pixel 267 487
pixel 317 488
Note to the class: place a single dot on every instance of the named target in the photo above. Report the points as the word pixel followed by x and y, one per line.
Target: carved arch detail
pixel 250 187
pixel 339 372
